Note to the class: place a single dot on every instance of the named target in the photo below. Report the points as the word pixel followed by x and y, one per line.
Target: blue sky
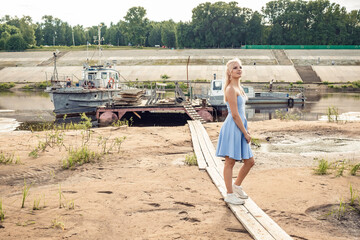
pixel 88 13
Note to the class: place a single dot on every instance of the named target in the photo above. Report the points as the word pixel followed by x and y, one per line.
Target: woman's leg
pixel 228 171
pixel 244 170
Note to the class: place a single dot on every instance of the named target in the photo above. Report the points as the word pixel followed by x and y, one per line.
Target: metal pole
pixel 73 37
pixel 187 71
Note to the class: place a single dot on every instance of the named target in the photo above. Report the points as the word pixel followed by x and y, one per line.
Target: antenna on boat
pixel 55 76
pixel 99 41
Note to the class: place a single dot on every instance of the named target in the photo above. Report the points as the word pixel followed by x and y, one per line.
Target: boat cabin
pixel 216 94
pixel 99 77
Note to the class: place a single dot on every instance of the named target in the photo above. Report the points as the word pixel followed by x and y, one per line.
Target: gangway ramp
pixel 252 217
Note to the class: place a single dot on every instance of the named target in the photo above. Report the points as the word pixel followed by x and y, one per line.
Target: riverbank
pixel 333 66
pixel 146 191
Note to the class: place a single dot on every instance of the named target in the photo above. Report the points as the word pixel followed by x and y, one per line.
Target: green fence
pixel 301 47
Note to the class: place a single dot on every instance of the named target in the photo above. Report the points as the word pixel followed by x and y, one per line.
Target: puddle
pixel 8 124
pixel 312 145
pixel 346 117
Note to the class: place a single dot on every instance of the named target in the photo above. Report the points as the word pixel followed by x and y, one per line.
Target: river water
pixel 21 107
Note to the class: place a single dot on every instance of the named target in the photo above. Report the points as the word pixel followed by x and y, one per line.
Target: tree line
pixel 213 25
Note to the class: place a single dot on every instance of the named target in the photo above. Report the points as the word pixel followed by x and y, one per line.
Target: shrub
pixel 15 43
pixel 6 86
pixel 191 160
pixel 79 157
pixel 322 167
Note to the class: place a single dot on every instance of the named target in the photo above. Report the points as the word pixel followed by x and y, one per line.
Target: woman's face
pixel 236 71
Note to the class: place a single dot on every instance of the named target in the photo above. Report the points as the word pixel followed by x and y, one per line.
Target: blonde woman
pixel 234 138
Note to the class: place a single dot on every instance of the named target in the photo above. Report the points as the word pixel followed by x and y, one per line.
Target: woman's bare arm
pixel 231 97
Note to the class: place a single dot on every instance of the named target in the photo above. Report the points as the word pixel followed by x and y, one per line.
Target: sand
pixel 147 192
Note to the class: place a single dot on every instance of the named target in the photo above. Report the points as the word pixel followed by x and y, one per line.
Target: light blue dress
pixel 232 141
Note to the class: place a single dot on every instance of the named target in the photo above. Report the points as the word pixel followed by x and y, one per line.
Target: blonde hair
pixel 229 67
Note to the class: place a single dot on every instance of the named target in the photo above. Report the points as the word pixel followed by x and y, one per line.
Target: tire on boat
pixel 290 102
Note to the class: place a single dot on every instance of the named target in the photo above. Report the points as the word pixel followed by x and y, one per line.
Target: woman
pixel 234 138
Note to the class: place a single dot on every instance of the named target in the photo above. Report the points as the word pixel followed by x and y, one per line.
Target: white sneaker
pixel 233 199
pixel 238 190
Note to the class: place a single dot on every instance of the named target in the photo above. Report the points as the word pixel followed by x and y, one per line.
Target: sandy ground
pixel 146 191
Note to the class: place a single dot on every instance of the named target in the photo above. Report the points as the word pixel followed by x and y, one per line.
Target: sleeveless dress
pixel 232 142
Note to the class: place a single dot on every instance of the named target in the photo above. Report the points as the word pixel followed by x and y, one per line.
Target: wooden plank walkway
pixel 253 218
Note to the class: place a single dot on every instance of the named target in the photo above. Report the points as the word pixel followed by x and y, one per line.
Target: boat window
pixel 117 76
pixel 104 75
pixel 91 76
pixel 217 85
pixel 246 90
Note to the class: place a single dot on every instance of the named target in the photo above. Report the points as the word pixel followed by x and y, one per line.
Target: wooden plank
pixel 209 147
pixel 203 147
pixel 257 231
pixel 269 224
pixel 265 227
pixel 209 144
pixel 196 145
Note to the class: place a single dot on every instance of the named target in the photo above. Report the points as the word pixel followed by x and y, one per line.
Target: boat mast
pixel 55 76
pixel 99 41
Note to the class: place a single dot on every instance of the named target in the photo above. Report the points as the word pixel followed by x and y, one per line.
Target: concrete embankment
pixel 259 65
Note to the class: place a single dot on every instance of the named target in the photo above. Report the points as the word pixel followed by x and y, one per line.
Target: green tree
pixel 25 26
pixel 136 25
pixel 5 32
pixel 38 34
pixel 15 43
pixel 168 33
pixel 154 34
pixel 49 30
pixel 255 29
pixel 353 27
pixel 276 35
pixel 79 35
pixel 220 24
pixel 185 35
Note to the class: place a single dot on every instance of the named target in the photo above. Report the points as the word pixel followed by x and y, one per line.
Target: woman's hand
pixel 247 137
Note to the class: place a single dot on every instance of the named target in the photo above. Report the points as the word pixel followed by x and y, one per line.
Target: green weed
pixel 286 116
pixel 25 193
pixel 24 224
pixel 53 139
pixel 107 144
pixel 164 77
pixel 56 223
pixel 61 195
pixel 2 213
pixel 341 210
pixel 125 122
pixel 34 153
pixel 71 205
pixel 333 114
pixel 118 141
pixel 79 157
pixel 255 142
pixel 353 196
pixel 341 169
pixel 36 205
pixel 354 169
pixel 323 167
pixel 191 160
pixel 9 158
